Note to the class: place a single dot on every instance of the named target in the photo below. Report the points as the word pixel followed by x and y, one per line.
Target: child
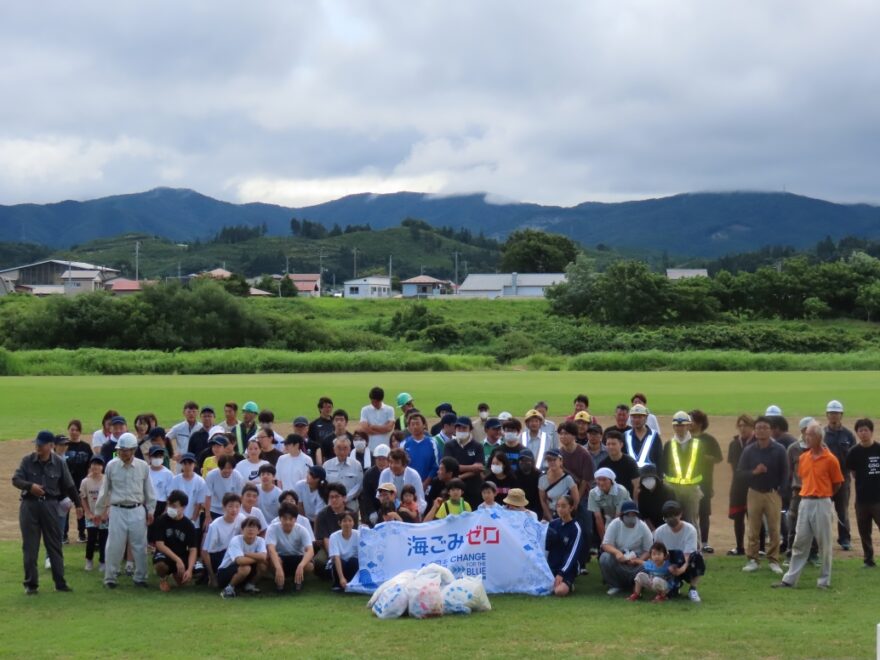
pixel 244 561
pixel 96 526
pixel 516 501
pixel 564 539
pixel 408 501
pixel 249 468
pixel 654 575
pixel 220 533
pixel 290 547
pixel 250 495
pixel 488 492
pixel 269 492
pixel 452 506
pixel 161 478
pixel 343 552
pixel 176 541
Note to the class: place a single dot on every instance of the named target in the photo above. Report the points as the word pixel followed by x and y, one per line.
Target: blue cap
pixel 527 453
pixel 464 421
pixel 188 456
pixel 61 439
pixel 301 421
pixel 492 423
pixel 443 408
pixel 629 507
pixel 96 459
pixel 219 439
pixel 45 438
pixel 119 419
pixel 552 452
pixel 448 418
pixel 155 450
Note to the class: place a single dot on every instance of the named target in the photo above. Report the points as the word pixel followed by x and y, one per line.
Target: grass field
pixel 740 617
pixel 49 402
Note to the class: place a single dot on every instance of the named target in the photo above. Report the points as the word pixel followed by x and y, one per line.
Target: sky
pixel 552 102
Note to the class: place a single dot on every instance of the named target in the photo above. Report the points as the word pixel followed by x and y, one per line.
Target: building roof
pixel 75 265
pixel 375 279
pixel 218 274
pixel 497 281
pixel 42 289
pixel 423 279
pixel 305 282
pixel 682 273
pixel 304 277
pixel 253 291
pixel 80 274
pixel 123 285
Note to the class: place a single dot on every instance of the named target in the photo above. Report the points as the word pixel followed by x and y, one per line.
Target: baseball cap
pixel 492 423
pixel 443 408
pixel 464 421
pixel 681 417
pixel 773 411
pixel 157 432
pixel 528 453
pixel 127 441
pixel 388 488
pixel 61 439
pixel 382 451
pixel 583 416
pixel 534 413
pixel 834 406
pixel 504 416
pixel 317 472
pixel 251 407
pixel 448 418
pixel 671 506
pixel 188 456
pixel 552 452
pixel 403 398
pixel 629 507
pixel 648 470
pixel 638 409
pixel 119 419
pixel 155 450
pixel 45 438
pixel 301 421
pixel 608 473
pixel 219 439
pixel 214 430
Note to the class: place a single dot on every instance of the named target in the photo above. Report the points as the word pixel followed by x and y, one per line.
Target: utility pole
pixel 286 265
pixel 355 252
pixel 456 269
pixel 423 269
pixel 137 261
pixel 389 266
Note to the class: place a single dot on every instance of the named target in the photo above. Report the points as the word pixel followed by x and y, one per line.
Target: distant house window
pixel 372 289
pixel 354 290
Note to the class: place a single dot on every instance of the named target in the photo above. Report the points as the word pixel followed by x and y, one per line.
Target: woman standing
pixel 739 487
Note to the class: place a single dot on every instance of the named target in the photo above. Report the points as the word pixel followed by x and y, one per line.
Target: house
pixel 424 286
pixel 683 273
pixel 217 274
pixel 57 276
pixel 307 284
pixel 376 286
pixel 508 285
pixel 259 293
pixel 122 286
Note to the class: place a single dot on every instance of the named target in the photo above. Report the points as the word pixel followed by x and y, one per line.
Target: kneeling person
pixel 290 547
pixel 344 552
pixel 176 541
pixel 680 539
pixel 244 561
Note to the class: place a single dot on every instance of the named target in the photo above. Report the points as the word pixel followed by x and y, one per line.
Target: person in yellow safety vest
pixel 683 468
pixel 405 403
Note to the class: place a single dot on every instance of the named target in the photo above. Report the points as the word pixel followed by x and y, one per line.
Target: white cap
pixel 834 406
pixel 608 473
pixel 381 451
pixel 681 417
pixel 773 411
pixel 505 416
pixel 805 422
pixel 215 430
pixel 127 441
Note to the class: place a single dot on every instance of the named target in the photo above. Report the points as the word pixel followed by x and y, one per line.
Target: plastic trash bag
pixel 392 602
pixel 445 575
pixel 402 578
pixel 464 596
pixel 425 598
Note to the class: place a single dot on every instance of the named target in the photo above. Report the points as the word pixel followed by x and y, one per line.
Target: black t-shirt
pixel 327 522
pixel 78 455
pixel 710 454
pixel 865 463
pixel 272 456
pixel 198 442
pixel 614 428
pixel 320 436
pixel 625 468
pixel 178 534
pixel 651 503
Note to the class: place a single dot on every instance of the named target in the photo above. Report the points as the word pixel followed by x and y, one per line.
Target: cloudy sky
pixel 551 102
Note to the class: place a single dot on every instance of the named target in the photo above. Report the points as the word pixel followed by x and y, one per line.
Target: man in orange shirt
pixel 821 478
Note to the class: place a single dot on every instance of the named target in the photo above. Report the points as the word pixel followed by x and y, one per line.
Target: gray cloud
pixel 555 103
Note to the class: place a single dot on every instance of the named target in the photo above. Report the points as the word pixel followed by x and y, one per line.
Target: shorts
pixel 159 558
pixel 696 567
pixel 225 574
pixel 289 564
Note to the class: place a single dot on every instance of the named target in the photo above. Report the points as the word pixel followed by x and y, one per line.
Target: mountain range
pixel 691 224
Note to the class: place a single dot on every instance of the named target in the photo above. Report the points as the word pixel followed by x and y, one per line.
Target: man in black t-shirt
pixel 863 461
pixel 176 543
pixel 624 466
pixel 321 428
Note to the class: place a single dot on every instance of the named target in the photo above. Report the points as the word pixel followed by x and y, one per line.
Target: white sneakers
pixel 694 596
pixel 89 565
pixel 613 591
pixel 47 564
pixel 776 568
pixel 228 592
pixel 751 566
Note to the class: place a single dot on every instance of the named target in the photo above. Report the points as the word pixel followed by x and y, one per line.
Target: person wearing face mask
pixel 361 452
pixel 683 467
pixel 681 540
pixel 345 470
pixel 469 455
pixel 161 478
pixel 511 429
pixel 652 495
pixel 176 541
pixel 492 441
pixel 479 430
pixel 501 474
pixel 625 547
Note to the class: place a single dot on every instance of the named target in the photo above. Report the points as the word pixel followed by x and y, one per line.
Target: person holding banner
pixel 564 539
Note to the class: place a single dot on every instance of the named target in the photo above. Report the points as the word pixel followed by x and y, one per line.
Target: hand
pixel 177 458
pixel 96 520
pixel 557 581
pixel 761 469
pixel 279 578
pixel 207 519
pixel 438 502
pixel 79 513
pixel 37 490
pixel 621 559
pixel 187 576
pixel 149 519
pixel 212 580
pixel 181 569
pixel 343 582
pixel 299 575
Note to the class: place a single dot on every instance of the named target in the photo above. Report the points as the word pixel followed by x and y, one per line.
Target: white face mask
pixel 649 482
pixel 172 512
pixel 496 469
pixel 461 436
pixel 484 415
pixel 360 445
pixel 156 462
pixel 510 436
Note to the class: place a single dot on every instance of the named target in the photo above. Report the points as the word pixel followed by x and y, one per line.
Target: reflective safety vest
pixel 677 476
pixel 643 456
pixel 542 446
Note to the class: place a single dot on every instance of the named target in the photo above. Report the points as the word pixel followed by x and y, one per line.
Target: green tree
pixel 533 251
pixel 576 296
pixel 869 300
pixel 815 308
pixel 628 293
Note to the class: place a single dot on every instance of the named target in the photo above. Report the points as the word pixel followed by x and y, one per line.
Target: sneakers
pixel 659 598
pixel 82 538
pixel 736 552
pixel 782 584
pixel 846 545
pixel 164 587
pixel 31 591
pixel 751 566
pixel 110 585
pixel 693 594
pixel 228 592
pixel 869 563
pixel 613 591
pixel 65 541
pixel 776 568
pixel 762 553
pixel 47 564
pixel 89 565
pixel 633 597
pixel 101 566
pixel 584 571
pixel 251 588
pixel 63 588
pixel 129 568
pixel 708 549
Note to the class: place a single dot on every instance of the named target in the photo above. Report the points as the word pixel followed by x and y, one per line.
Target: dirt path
pixel 720 536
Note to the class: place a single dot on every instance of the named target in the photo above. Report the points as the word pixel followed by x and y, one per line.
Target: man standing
pixel 44 480
pixel 405 403
pixel 863 461
pixel 535 438
pixel 479 432
pixel 420 448
pixel 793 453
pixel 492 439
pixel 230 417
pixel 127 488
pixel 579 464
pixel 469 454
pixel 344 469
pixel 621 420
pixel 180 432
pixel 820 477
pixel 248 426
pixel 765 464
pixel 710 454
pixel 198 439
pixel 377 418
pixel 840 440
pixel 683 468
pixel 641 442
pixel 549 426
pixel 320 432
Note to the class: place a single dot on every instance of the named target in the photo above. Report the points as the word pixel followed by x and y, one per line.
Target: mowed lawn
pixel 35 402
pixel 740 616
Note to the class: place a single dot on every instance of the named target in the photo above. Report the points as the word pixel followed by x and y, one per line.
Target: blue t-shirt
pixel 653 570
pixel 422 457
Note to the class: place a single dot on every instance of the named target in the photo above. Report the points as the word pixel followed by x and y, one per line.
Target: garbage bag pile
pixel 431 591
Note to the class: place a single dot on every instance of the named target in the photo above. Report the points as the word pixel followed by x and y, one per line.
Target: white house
pixel 684 273
pixel 508 285
pixel 376 286
pixel 58 276
pixel 423 286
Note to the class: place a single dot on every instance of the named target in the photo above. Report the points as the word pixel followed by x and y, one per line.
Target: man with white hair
pixel 128 491
pixel 840 440
pixel 821 477
pixel 345 470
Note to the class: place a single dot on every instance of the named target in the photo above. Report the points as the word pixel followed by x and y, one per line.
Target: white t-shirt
pixel 294 543
pixel 685 539
pixel 268 502
pixel 250 472
pixel 343 548
pixel 238 548
pixel 180 433
pixel 310 499
pixel 378 417
pixel 195 490
pixel 256 513
pixel 636 539
pixel 161 479
pixel 217 487
pixel 302 521
pixel 98 439
pixel 220 533
pixel 291 469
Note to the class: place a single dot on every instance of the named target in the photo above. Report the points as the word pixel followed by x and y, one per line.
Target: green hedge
pixel 724 361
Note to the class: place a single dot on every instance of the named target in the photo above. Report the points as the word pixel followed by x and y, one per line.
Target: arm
pixel 190 564
pixel 355 490
pixel 600 523
pixel 275 562
pixel 429 516
pixel 20 481
pixel 575 495
pixel 308 555
pixel 165 550
pixel 103 501
pixel 149 497
pixel 545 505
pixel 337 563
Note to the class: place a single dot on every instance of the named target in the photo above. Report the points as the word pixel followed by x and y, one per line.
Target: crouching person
pixel 290 548
pixel 681 539
pixel 220 532
pixel 344 552
pixel 244 561
pixel 176 541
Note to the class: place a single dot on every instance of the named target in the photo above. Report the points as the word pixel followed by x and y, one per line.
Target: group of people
pixel 232 502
